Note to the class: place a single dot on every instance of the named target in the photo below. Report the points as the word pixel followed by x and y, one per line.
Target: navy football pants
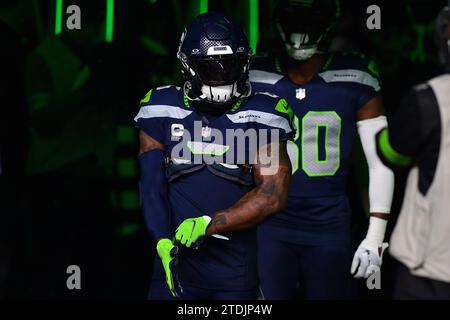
pixel 159 291
pixel 290 271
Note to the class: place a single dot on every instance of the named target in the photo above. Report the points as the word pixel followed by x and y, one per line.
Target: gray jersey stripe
pixel 351 75
pixel 264 76
pixel 162 111
pixel 265 118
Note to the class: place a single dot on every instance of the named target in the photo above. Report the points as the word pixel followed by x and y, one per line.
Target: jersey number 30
pixel 320 144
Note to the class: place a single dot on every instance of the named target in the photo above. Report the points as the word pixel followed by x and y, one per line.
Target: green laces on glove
pixel 167 251
pixel 191 232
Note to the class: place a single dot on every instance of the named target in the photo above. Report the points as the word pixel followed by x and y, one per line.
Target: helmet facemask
pixel 219 79
pixel 295 46
pixel 303 28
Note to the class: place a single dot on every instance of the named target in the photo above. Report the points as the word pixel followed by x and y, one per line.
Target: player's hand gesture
pixel 191 232
pixel 167 251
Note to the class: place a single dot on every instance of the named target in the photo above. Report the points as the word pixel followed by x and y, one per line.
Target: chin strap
pixel 248 92
pixel 186 88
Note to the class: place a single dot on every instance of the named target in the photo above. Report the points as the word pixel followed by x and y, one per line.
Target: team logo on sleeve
pixel 300 93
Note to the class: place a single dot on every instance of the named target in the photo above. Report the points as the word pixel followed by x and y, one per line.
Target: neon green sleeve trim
pixel 390 154
pixel 146 99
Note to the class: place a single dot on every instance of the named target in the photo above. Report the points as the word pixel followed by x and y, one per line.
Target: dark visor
pixel 219 69
pixel 302 20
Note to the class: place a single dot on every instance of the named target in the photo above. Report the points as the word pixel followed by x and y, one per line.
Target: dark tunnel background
pixel 68 179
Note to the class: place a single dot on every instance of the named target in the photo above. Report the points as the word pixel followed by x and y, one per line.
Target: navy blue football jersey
pixel 208 167
pixel 325 115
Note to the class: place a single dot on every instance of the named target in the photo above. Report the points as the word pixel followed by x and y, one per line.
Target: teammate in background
pixel 419 139
pixel 333 96
pixel 186 201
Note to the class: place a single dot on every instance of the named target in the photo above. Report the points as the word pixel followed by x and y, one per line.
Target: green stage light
pixel 253 24
pixel 203 6
pixel 58 16
pixel 109 20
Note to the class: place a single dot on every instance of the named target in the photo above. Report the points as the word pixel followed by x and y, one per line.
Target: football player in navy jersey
pixel 203 190
pixel 333 96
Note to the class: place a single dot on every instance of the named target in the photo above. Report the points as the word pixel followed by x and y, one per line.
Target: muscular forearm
pixel 258 204
pixel 253 208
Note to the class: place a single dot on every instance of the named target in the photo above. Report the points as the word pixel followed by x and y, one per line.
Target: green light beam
pixel 203 6
pixel 253 24
pixel 109 20
pixel 58 16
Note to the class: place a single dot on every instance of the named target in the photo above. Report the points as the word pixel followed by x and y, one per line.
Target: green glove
pixel 167 251
pixel 191 232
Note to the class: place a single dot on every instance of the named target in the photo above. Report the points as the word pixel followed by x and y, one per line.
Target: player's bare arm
pixel 147 143
pixel 372 109
pixel 268 197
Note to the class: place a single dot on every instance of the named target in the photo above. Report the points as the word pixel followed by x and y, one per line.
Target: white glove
pixel 369 255
pixel 368 258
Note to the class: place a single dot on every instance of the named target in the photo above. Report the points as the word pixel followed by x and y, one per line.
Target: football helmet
pixel 214 54
pixel 305 25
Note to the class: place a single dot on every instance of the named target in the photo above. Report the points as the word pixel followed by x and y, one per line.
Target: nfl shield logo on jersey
pixel 206 132
pixel 300 93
